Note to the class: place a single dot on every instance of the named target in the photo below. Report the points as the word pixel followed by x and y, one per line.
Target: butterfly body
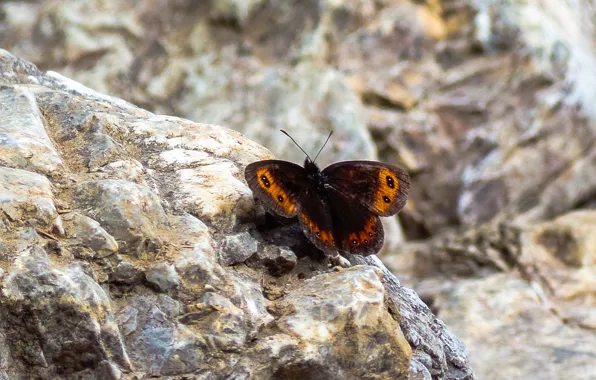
pixel 338 207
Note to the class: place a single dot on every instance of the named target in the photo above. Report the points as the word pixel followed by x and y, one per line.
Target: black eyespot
pixel 265 181
pixel 386 199
pixel 280 199
pixel 370 234
pixel 365 241
pixel 318 234
pixel 354 242
pixel 390 182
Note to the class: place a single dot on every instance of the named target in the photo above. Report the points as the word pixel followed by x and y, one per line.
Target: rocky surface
pixel 142 254
pixel 488 104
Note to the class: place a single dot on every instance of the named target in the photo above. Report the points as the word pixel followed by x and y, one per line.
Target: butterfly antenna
pixel 287 134
pixel 320 150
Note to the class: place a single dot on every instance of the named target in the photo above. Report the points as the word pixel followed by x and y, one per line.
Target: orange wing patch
pixel 325 236
pixel 387 191
pixel 365 236
pixel 270 186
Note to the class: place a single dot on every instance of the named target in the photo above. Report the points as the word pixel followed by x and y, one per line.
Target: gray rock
pixel 128 169
pixel 319 314
pixel 27 197
pixel 87 235
pixel 129 212
pixel 222 324
pixel 277 260
pixel 6 364
pixel 502 311
pixel 125 273
pixel 163 277
pixel 237 248
pixel 490 105
pixel 143 189
pixel 30 148
pixel 71 311
pixel 157 344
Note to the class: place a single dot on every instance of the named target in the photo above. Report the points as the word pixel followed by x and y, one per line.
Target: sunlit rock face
pixel 489 105
pixel 142 253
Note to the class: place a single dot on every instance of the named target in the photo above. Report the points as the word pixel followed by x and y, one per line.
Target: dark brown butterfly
pixel 338 207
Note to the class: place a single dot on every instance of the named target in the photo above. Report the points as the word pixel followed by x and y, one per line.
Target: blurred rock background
pixel 489 104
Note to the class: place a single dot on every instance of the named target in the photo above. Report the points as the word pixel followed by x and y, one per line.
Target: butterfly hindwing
pixel 356 229
pixel 278 184
pixel 381 188
pixel 316 220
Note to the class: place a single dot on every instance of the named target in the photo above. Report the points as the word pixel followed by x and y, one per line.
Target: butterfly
pixel 338 207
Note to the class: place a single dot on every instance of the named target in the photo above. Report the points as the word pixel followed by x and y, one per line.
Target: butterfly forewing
pixel 381 188
pixel 278 184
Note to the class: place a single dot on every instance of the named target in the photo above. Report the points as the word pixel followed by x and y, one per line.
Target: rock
pixel 6 364
pixel 31 148
pixel 27 197
pixel 71 311
pixel 163 277
pixel 237 248
pixel 277 260
pixel 130 212
pixel 88 238
pixel 222 323
pixel 339 315
pixel 157 344
pixel 489 105
pixel 505 313
pixel 135 285
pixel 125 273
pixel 562 263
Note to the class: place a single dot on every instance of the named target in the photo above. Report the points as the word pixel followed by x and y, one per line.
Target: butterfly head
pixel 310 167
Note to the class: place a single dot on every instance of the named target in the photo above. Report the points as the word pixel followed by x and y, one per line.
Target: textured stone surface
pixel 163 277
pixel 87 238
pixel 132 212
pixel 277 260
pixel 489 105
pixel 31 148
pixel 26 198
pixel 61 320
pixel 237 248
pixel 131 262
pixel 339 316
pixel 505 313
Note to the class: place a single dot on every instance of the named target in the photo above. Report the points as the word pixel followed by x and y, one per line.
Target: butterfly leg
pixel 336 259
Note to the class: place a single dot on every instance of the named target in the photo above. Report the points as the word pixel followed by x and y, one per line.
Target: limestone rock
pixel 277 260
pixel 70 311
pixel 113 267
pixel 342 315
pixel 88 238
pixel 237 248
pixel 504 312
pixel 29 149
pixel 26 198
pixel 163 277
pixel 562 260
pixel 488 104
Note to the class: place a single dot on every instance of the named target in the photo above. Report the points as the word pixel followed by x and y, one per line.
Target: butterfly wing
pixel 379 187
pixel 356 229
pixel 278 184
pixel 316 220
